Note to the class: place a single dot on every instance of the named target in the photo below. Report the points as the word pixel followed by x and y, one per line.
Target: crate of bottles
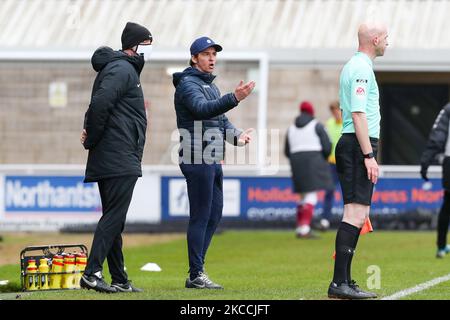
pixel 52 267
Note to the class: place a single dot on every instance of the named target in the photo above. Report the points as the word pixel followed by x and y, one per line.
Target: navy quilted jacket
pixel 201 121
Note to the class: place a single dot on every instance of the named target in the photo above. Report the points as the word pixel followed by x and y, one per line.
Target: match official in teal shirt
pixel 359 93
pixel 356 154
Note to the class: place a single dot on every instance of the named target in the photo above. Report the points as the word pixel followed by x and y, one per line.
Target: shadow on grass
pixel 11 287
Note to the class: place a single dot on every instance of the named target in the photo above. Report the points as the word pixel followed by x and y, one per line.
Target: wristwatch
pixel 369 155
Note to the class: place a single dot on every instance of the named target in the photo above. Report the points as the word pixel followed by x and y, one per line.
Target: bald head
pixel 368 31
pixel 372 38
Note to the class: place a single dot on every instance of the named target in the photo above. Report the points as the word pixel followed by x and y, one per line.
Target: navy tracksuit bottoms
pixel 205 192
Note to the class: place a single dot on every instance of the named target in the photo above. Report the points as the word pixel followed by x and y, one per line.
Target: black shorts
pixel 355 184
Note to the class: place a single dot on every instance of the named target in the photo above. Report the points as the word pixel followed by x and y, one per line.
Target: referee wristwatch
pixel 369 155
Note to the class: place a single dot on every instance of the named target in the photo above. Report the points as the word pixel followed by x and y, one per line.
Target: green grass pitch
pixel 269 265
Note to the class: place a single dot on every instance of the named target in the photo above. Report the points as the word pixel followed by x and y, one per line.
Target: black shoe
pixel 96 283
pixel 344 291
pixel 125 287
pixel 201 282
pixel 354 286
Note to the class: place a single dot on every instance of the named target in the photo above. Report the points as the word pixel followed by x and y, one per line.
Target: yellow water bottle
pixel 43 274
pixel 68 273
pixel 31 275
pixel 55 274
pixel 80 265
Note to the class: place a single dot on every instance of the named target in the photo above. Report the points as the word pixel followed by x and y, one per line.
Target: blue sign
pixel 178 195
pixel 399 195
pixel 272 198
pixel 269 198
pixel 175 202
pixel 50 194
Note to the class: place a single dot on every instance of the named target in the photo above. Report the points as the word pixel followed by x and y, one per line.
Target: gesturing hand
pixel 245 137
pixel 243 90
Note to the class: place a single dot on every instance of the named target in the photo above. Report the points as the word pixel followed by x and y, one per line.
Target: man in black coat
pixel 114 133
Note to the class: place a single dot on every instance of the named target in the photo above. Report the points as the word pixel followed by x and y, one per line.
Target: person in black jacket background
pixel 204 128
pixel 114 133
pixel 438 143
pixel 308 147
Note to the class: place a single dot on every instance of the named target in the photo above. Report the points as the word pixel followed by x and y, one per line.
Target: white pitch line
pixel 419 287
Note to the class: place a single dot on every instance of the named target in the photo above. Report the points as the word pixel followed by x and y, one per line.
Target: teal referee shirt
pixel 358 92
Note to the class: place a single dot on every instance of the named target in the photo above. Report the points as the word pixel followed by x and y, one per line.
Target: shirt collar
pixel 365 57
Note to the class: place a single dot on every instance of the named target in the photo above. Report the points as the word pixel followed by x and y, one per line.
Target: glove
pixel 423 172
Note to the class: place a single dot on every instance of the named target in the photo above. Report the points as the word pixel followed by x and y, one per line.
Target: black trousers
pixel 443 221
pixel 116 196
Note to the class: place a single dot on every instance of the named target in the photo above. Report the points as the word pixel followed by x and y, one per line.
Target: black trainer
pixel 354 286
pixel 202 282
pixel 344 291
pixel 125 287
pixel 95 283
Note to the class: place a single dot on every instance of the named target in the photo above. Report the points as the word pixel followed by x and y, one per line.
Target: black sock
pixel 349 264
pixel 346 238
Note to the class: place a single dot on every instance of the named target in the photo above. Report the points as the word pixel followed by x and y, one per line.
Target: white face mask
pixel 145 50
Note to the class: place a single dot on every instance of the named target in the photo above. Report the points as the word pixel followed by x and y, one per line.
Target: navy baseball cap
pixel 203 43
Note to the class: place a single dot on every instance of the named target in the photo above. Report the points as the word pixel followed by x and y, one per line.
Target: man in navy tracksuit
pixel 204 128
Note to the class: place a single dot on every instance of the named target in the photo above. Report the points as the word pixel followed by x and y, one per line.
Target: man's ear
pixel 194 59
pixel 376 41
